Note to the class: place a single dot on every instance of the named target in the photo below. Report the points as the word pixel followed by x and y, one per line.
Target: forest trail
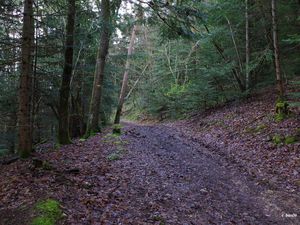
pixel 175 180
pixel 151 174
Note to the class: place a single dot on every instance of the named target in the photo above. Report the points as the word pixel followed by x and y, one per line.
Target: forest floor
pixel 218 167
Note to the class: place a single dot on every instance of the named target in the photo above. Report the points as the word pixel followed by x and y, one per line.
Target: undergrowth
pixel 49 212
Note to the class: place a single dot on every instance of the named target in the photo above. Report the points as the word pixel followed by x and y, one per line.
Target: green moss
pixel 49 212
pixel 277 139
pixel 257 129
pixel 290 140
pixel 117 142
pixel 112 138
pixel 281 109
pixel 249 130
pixel 57 146
pixel 117 129
pixel 43 220
pixel 49 206
pixel 260 127
pixel 91 133
pixel 279 117
pixel 280 104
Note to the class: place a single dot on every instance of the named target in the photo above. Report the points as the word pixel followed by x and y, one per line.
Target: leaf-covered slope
pixel 248 134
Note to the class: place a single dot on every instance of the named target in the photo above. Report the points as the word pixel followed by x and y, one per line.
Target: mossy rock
pixel 281 109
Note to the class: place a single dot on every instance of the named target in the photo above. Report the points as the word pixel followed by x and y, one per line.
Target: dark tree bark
pixel 125 78
pixel 24 120
pixel 63 110
pixel 95 102
pixel 276 51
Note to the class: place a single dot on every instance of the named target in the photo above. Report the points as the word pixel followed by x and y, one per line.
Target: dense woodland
pixel 149 112
pixel 62 62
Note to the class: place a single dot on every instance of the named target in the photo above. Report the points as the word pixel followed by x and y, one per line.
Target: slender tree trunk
pixel 235 45
pixel 137 81
pixel 125 77
pixel 24 121
pixel 63 110
pixel 95 103
pixel 276 51
pixel 247 45
pixel 193 49
pixel 34 74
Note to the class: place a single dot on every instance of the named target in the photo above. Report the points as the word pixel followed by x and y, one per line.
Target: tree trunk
pixel 63 110
pixel 235 45
pixel 276 51
pixel 125 77
pixel 24 121
pixel 95 102
pixel 11 130
pixel 247 45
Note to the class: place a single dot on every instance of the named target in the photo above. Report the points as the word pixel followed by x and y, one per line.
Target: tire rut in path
pixel 174 180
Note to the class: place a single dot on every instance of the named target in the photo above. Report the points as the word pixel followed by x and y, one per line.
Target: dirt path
pixel 173 180
pixel 148 175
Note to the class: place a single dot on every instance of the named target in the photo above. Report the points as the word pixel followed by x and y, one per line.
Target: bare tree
pixel 276 50
pixel 125 77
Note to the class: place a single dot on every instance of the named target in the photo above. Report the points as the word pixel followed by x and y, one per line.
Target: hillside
pixel 247 133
